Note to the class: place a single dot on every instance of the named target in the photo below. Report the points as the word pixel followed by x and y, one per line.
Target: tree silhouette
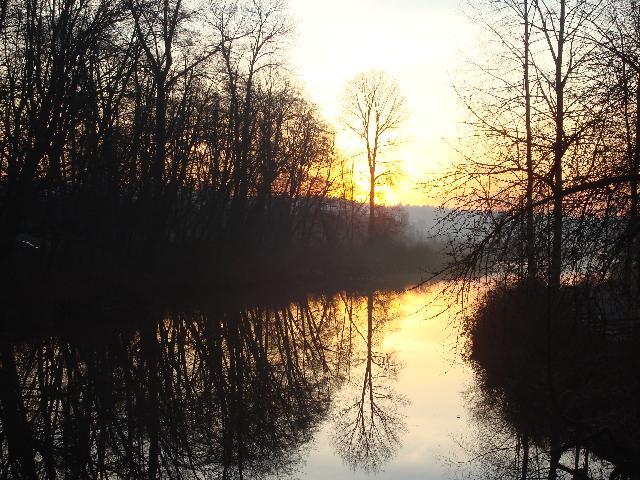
pixel 374 109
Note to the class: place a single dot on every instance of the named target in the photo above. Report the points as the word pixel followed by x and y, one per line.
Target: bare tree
pixel 374 109
pixel 545 130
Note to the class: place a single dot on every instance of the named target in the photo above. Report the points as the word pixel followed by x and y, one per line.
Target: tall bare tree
pixel 374 109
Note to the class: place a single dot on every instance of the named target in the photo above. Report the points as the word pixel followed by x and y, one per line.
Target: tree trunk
pixel 530 227
pixel 635 167
pixel 558 153
pixel 17 430
pixel 525 457
pixel 372 205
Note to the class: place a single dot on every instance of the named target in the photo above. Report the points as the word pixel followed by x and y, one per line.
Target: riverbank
pixel 110 281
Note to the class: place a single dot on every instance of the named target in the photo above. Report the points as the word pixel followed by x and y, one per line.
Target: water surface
pixel 341 385
pixel 422 336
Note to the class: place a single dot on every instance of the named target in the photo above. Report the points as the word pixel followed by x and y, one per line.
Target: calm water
pixel 429 385
pixel 317 386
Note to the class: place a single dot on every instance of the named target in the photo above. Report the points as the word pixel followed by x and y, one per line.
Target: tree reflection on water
pixel 217 392
pixel 554 401
pixel 370 422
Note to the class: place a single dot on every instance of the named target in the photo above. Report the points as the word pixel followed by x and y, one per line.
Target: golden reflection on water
pixel 414 331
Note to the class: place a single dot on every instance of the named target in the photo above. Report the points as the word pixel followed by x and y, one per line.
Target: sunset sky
pixel 421 43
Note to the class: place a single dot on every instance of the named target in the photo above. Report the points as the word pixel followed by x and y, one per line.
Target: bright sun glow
pixel 419 43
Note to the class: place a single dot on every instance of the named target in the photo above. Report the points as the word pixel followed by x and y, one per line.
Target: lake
pixel 341 385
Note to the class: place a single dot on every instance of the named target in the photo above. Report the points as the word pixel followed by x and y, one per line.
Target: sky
pixel 420 43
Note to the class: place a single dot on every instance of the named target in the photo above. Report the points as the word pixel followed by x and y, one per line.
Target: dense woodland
pixel 140 131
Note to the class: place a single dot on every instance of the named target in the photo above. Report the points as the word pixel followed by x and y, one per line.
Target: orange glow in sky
pixel 421 43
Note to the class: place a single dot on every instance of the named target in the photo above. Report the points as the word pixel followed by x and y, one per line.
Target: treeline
pixel 144 127
pixel 548 187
